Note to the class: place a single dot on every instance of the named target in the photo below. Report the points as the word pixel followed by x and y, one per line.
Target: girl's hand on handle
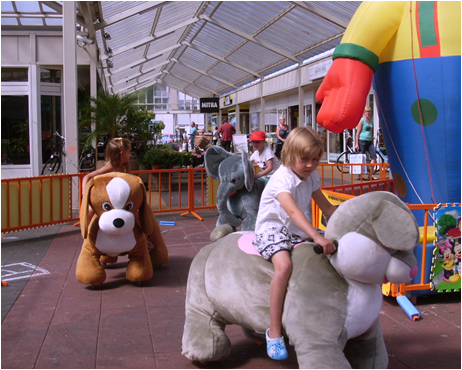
pixel 325 246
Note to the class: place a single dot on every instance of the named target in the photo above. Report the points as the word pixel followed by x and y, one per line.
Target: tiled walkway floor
pixel 55 322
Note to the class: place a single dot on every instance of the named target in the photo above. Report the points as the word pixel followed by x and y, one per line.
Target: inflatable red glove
pixel 343 94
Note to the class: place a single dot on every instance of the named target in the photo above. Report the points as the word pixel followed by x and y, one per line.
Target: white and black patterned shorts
pixel 274 240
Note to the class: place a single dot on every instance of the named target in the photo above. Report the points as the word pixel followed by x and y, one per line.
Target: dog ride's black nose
pixel 118 222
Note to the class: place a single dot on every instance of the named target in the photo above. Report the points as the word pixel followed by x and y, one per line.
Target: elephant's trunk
pixel 226 217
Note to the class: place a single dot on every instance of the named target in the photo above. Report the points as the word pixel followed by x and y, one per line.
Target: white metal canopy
pixel 202 48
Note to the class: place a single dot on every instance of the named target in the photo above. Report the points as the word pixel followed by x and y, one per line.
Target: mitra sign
pixel 210 105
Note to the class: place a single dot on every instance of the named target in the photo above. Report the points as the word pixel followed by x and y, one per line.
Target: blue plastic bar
pixel 167 223
pixel 408 307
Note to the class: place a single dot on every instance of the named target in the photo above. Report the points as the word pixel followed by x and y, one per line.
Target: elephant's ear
pixel 249 175
pixel 214 155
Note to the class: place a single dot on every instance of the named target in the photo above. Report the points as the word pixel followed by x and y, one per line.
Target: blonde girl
pixel 281 222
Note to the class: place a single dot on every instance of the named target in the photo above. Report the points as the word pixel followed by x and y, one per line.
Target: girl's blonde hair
pixel 301 141
pixel 367 109
pixel 114 150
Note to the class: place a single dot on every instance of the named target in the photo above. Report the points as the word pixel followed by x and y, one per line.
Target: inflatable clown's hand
pixel 343 94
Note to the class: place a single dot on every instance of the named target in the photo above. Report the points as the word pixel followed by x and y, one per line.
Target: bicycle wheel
pixel 87 164
pixel 52 166
pixel 343 158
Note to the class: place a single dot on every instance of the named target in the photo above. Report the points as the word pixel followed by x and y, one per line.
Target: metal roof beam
pixel 138 82
pixel 149 39
pixel 250 38
pixel 322 13
pixel 116 71
pixel 227 83
pixel 210 54
pixel 59 8
pixel 190 82
pixel 141 74
pixel 149 5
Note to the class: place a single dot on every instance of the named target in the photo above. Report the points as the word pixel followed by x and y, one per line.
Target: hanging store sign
pixel 228 100
pixel 210 105
pixel 319 70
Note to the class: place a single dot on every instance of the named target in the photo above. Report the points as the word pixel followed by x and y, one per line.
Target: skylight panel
pixel 27 7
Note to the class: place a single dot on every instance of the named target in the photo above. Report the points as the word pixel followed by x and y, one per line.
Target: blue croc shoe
pixel 276 347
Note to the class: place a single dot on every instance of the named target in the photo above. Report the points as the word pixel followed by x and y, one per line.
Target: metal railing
pixel 47 200
pixel 37 201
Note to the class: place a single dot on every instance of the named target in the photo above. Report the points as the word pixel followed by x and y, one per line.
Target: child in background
pixel 263 156
pixel 281 222
pixel 184 146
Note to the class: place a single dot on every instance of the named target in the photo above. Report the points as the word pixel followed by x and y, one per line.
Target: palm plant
pixel 116 116
pixel 109 112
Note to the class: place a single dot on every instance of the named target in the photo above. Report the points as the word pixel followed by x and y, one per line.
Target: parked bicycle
pixel 344 158
pixel 87 161
pixel 53 164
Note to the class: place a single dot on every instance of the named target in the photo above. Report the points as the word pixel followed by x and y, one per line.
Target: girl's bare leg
pixel 282 270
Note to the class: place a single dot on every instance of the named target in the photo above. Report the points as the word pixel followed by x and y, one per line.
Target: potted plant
pixel 157 157
pixel 197 157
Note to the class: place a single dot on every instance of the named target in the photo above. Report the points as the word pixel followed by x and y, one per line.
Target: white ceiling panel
pixel 202 48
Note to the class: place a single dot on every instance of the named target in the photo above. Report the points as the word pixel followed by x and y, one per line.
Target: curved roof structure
pixel 202 48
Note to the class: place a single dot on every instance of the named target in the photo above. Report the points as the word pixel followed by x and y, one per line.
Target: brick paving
pixel 51 321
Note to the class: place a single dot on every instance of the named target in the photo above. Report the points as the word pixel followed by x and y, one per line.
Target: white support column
pixel 238 118
pixel 70 92
pixel 93 53
pixel 301 108
pixel 313 109
pixel 262 114
pixel 35 128
pixel 301 112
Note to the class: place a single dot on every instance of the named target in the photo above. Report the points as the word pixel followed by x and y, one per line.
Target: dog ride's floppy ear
pixel 84 209
pixel 146 217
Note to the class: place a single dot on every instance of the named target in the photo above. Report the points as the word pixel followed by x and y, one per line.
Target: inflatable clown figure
pixel 412 50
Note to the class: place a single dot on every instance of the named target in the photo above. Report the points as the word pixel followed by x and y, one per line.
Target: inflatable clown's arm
pixel 345 88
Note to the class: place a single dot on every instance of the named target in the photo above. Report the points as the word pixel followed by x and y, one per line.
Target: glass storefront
pixel 15 129
pixel 51 123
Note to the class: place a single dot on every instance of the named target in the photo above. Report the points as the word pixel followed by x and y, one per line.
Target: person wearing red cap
pixel 263 156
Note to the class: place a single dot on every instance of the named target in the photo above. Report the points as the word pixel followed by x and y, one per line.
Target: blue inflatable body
pixel 425 160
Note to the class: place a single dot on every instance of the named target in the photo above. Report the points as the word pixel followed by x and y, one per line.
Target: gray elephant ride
pixel 239 193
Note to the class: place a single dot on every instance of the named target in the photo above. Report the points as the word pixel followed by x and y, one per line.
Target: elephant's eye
pixel 106 206
pixel 234 181
pixel 129 206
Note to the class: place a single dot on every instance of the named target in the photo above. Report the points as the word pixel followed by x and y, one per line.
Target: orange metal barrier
pixel 37 201
pixel 330 174
pixel 46 200
pixel 400 290
pixel 179 190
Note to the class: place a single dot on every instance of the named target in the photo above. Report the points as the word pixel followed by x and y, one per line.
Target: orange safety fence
pixel 180 190
pixel 37 201
pixel 333 173
pixel 47 200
